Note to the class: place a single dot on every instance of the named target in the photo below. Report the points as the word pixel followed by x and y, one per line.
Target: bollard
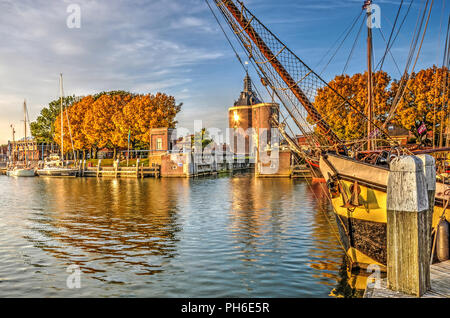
pixel 429 169
pixel 408 261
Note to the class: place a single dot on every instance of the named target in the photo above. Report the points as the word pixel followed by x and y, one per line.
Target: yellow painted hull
pixel 373 209
pixel 363 228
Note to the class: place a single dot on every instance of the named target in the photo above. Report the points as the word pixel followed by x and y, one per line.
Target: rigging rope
pixel 238 34
pixel 350 28
pixel 353 47
pixel 292 66
pixel 399 28
pixel 405 78
pixel 392 32
pixel 390 53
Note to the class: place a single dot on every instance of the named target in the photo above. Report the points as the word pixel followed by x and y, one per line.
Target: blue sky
pixel 176 47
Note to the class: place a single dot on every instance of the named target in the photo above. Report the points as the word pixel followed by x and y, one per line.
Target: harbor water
pixel 230 236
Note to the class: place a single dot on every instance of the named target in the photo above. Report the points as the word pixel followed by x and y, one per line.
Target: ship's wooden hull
pixel 362 228
pixel 313 165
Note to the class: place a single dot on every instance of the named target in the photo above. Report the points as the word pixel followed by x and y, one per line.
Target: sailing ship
pixel 22 170
pixel 356 180
pixel 358 190
pixel 54 165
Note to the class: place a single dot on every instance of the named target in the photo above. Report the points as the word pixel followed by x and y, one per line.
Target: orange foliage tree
pixel 104 120
pixel 144 112
pixel 344 120
pixel 424 100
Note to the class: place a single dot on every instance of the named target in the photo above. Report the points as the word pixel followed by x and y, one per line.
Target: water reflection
pixel 325 255
pixel 115 223
pixel 233 236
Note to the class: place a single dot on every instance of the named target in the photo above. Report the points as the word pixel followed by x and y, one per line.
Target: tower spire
pixel 247 96
pixel 247 84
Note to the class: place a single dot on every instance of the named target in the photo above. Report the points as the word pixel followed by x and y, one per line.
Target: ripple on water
pixel 226 237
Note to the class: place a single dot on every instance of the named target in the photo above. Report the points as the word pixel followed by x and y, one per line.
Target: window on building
pixel 159 144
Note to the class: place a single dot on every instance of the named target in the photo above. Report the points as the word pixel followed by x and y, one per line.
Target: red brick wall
pixel 172 166
pixel 244 122
pixel 164 135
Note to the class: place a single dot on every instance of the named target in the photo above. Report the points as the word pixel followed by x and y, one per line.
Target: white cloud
pixel 142 46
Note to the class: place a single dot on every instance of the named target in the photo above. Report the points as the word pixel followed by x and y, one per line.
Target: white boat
pixel 54 167
pixel 57 172
pixel 54 164
pixel 21 172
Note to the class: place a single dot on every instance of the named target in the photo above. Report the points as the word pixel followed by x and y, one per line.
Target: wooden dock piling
pixel 408 226
pixel 429 169
pixel 98 167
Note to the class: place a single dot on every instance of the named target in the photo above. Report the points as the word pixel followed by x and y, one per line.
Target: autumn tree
pixel 345 121
pixel 144 112
pixel 104 120
pixel 101 126
pixel 424 101
pixel 76 115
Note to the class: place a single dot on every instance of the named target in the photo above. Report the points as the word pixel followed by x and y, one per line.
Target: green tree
pixel 201 137
pixel 43 129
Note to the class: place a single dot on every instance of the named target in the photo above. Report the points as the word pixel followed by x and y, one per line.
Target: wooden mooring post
pixel 99 167
pixel 429 170
pixel 409 224
pixel 137 168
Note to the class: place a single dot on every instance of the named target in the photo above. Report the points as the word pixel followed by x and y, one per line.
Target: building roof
pixel 247 96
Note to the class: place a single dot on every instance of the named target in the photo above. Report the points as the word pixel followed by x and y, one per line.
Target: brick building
pixel 22 150
pixel 160 140
pixel 250 118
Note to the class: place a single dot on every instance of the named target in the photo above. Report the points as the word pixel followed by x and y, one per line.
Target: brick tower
pixel 250 113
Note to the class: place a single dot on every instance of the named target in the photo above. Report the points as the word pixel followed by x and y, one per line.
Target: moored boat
pixel 54 167
pixel 21 172
pixel 358 195
pixel 22 169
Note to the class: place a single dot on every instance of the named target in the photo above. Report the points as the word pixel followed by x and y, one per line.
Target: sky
pixel 176 47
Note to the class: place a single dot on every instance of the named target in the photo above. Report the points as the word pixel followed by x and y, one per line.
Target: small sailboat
pixel 23 170
pixel 54 165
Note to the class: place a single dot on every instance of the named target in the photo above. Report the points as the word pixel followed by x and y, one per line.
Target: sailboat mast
pixel 25 145
pixel 62 117
pixel 368 7
pixel 13 144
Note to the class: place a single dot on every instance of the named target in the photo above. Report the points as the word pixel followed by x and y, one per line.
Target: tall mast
pixel 368 7
pixel 62 117
pixel 13 148
pixel 272 59
pixel 25 145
